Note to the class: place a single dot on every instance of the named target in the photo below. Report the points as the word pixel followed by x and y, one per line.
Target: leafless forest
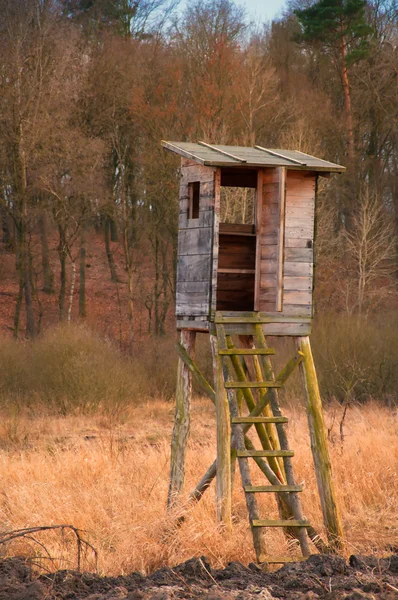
pixel 88 203
pixel 89 216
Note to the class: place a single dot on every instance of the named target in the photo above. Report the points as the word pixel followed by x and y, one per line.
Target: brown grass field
pixel 110 477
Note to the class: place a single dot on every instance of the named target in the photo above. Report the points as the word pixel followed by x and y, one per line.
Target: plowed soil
pixel 319 577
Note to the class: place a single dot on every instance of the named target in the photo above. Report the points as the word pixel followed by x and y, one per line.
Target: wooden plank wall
pixel 194 263
pixel 296 276
pixel 299 243
pixel 267 243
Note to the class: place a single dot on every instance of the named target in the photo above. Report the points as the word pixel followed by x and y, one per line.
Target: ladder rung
pixel 236 420
pixel 273 488
pixel 271 523
pixel 247 351
pixel 280 560
pixel 255 453
pixel 252 384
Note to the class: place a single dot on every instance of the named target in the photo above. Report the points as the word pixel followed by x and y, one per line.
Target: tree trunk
pixel 30 317
pixel 71 291
pixel 18 305
pixel 7 237
pixel 347 98
pixel 113 228
pixel 48 275
pixel 62 259
pixel 156 292
pixel 109 255
pixel 82 276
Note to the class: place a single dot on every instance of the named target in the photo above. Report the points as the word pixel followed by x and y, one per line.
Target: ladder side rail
pixel 251 405
pixel 284 444
pixel 251 502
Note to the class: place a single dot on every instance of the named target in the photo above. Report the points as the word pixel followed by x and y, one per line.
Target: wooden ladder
pixel 265 415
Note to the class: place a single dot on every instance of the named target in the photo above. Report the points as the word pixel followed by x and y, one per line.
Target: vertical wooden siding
pixel 299 243
pixel 291 282
pixel 267 240
pixel 194 264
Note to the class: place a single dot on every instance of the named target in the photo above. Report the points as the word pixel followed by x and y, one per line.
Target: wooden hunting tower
pixel 245 271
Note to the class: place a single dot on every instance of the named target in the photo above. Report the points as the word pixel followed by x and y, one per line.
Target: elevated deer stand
pixel 242 282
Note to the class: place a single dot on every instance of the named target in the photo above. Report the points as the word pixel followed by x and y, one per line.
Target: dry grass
pixel 111 478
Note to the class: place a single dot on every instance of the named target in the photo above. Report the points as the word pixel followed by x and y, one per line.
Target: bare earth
pixel 320 577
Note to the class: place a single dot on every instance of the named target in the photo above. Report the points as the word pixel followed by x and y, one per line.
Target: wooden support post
pixel 182 420
pixel 319 447
pixel 223 478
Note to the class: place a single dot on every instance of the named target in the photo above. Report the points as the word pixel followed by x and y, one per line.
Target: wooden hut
pixel 250 277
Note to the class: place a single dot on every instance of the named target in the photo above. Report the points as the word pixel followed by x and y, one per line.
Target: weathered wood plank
pixel 301 212
pixel 226 316
pixel 298 222
pixel 258 257
pixel 291 269
pixel 273 488
pixel 303 232
pixel 193 298
pixel 267 293
pixel 277 329
pixel 205 220
pixel 252 384
pixel 197 173
pixel 281 238
pixel 299 255
pixel 297 283
pixel 264 453
pixel 269 239
pixel 270 175
pixel 193 325
pixel 297 310
pixel 216 239
pixel 298 269
pixel 280 523
pixel 192 286
pixel 238 228
pixel 290 254
pixel 247 351
pixel 294 242
pixel 192 308
pixel 194 268
pixel 260 420
pixel 194 241
pixel 297 297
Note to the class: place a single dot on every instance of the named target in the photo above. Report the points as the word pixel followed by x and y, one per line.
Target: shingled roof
pixel 241 156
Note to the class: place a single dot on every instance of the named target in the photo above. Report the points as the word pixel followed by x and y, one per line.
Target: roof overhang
pixel 254 157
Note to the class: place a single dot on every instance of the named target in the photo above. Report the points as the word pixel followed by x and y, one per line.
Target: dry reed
pixel 110 479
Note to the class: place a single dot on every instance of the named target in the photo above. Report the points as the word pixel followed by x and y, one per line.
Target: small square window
pixel 194 196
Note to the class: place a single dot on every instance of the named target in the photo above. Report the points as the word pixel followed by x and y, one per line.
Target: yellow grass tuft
pixel 111 480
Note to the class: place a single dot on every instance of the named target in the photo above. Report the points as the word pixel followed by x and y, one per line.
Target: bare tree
pixel 370 244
